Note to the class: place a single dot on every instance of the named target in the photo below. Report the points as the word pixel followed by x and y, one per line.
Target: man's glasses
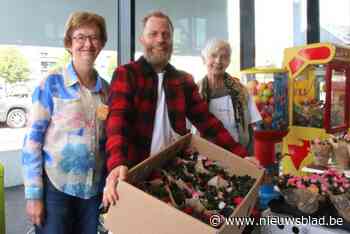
pixel 81 38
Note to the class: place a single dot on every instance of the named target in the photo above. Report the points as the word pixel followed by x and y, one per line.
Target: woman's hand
pixel 35 211
pixel 110 195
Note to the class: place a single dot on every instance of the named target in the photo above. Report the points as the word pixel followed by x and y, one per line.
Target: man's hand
pixel 110 195
pixel 35 211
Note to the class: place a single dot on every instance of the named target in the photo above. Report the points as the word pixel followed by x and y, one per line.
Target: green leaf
pixel 13 65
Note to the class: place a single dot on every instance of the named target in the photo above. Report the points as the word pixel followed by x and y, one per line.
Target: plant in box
pixel 198 186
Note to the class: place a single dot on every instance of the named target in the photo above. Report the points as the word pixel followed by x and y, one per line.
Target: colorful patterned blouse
pixel 65 139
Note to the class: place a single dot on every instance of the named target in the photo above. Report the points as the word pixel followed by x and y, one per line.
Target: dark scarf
pixel 237 93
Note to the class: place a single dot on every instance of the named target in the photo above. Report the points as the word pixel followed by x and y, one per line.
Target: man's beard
pixel 158 59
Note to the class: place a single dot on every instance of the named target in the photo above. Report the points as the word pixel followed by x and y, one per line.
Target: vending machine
pixel 269 88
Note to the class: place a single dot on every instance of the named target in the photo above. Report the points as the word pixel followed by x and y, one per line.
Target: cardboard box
pixel 140 213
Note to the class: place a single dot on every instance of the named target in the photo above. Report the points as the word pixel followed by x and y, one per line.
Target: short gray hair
pixel 213 45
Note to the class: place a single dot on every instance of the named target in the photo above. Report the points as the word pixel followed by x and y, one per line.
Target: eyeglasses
pixel 81 38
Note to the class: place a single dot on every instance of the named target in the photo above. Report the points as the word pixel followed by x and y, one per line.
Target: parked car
pixel 14 111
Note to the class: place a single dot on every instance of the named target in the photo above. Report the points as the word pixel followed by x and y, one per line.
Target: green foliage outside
pixel 62 61
pixel 14 66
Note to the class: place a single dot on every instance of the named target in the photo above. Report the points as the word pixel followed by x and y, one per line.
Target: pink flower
pixel 347 137
pixel 324 188
pixel 338 179
pixel 179 161
pixel 315 176
pixel 195 194
pixel 292 181
pixel 208 163
pixel 300 185
pixel 344 180
pixel 237 200
pixel 313 180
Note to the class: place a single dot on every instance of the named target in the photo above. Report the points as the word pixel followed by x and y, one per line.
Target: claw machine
pixel 319 99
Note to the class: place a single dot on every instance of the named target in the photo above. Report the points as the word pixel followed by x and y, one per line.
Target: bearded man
pixel 148 105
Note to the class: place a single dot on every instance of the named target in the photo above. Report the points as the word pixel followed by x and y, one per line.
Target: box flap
pixel 138 212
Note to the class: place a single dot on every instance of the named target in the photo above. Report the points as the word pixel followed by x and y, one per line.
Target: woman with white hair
pixel 227 98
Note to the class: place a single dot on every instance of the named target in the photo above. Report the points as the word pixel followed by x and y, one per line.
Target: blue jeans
pixel 65 214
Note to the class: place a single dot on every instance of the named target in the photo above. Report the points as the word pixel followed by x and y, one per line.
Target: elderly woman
pixel 228 99
pixel 63 157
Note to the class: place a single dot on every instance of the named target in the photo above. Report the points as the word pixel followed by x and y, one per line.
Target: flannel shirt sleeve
pixel 32 154
pixel 120 104
pixel 209 126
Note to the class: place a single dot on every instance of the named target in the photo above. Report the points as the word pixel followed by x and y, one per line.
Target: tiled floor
pixel 16 219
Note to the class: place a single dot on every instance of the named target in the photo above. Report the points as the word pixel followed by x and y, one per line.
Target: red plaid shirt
pixel 132 106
